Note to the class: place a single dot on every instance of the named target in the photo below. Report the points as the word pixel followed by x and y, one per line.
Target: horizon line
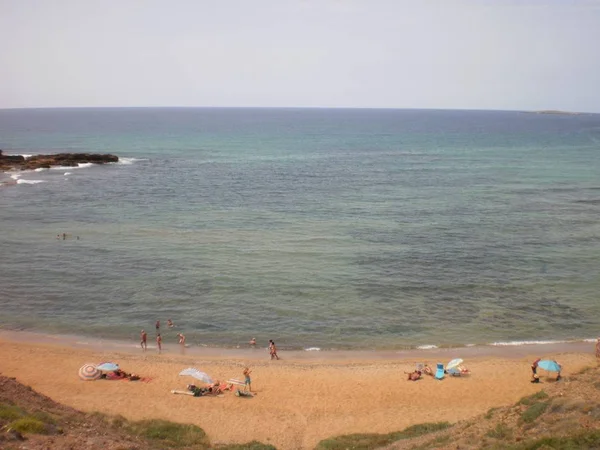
pixel 539 111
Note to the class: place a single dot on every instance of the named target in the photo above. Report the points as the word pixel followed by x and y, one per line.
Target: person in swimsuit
pixel 598 348
pixel 159 342
pixel 273 350
pixel 170 323
pixel 144 340
pixel 181 339
pixel 247 379
pixel 157 326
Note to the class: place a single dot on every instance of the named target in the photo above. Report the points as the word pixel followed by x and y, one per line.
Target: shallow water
pixel 316 228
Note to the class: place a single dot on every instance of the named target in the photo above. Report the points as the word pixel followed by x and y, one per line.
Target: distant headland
pixel 19 162
pixel 556 111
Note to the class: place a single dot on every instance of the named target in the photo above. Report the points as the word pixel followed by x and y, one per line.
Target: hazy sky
pixel 486 54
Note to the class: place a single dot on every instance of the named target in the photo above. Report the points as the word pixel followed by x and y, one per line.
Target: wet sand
pixel 301 399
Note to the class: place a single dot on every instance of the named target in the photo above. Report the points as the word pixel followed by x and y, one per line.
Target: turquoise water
pixel 315 228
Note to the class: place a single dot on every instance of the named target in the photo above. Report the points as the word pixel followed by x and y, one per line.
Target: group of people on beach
pixel 144 336
pixel 181 340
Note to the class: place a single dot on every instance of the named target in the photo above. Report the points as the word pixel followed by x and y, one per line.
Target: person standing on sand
pixel 144 342
pixel 534 366
pixel 247 379
pixel 159 342
pixel 273 350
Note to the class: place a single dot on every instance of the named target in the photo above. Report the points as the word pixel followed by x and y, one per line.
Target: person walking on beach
pixel 144 339
pixel 159 342
pixel 247 379
pixel 157 326
pixel 273 350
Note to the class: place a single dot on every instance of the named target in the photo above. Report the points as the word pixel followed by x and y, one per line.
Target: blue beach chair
pixel 439 373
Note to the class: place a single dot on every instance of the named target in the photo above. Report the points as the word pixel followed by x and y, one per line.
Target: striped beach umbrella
pixel 88 372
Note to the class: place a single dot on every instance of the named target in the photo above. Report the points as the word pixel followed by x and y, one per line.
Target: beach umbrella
pixel 88 372
pixel 107 367
pixel 197 374
pixel 549 365
pixel 454 363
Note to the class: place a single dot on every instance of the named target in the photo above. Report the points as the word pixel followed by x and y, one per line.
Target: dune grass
pixel 29 425
pixel 582 441
pixel 10 412
pixel 533 412
pixel 371 440
pixel 534 398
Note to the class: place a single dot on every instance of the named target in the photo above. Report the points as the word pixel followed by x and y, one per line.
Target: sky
pixel 457 54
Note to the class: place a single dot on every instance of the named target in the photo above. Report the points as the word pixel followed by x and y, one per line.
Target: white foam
pixel 427 347
pixel 30 181
pixel 517 343
pixel 127 161
pixel 15 176
pixel 78 166
pixel 67 173
pixel 84 165
pixel 312 349
pixel 40 169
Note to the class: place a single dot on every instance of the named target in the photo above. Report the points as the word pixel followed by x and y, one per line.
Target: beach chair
pixel 439 373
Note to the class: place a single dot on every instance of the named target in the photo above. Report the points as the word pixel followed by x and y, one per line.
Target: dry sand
pixel 300 399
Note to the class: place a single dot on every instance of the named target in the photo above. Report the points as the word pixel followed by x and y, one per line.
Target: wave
pixel 128 161
pixel 516 343
pixel 426 347
pixel 78 166
pixel 67 173
pixel 15 176
pixel 19 181
pixel 40 169
pixel 312 349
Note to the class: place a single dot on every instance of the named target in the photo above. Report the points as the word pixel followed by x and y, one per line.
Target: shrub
pixel 502 431
pixel 29 425
pixel 372 440
pixel 169 434
pixel 531 399
pixel 533 412
pixel 10 412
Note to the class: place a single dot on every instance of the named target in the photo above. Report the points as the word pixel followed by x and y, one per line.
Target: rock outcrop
pixel 18 162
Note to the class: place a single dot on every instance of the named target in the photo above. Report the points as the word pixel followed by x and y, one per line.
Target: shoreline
pixel 515 350
pixel 300 400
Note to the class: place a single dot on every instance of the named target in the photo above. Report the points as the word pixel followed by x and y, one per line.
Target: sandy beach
pixel 300 399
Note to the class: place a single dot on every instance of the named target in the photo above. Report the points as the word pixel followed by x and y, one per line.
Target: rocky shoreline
pixel 19 162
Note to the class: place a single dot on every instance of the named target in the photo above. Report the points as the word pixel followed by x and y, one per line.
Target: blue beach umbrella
pixel 549 365
pixel 107 367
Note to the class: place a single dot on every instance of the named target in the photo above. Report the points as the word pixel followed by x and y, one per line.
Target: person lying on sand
pixel 414 376
pixel 427 370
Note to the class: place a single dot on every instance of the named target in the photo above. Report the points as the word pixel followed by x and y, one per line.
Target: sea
pixel 330 229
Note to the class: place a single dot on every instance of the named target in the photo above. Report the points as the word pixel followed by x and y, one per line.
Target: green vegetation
pixel 502 431
pixel 534 398
pixel 28 424
pixel 169 434
pixel 490 413
pixel 254 445
pixel 583 441
pixel 533 412
pixel 10 412
pixel 371 441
